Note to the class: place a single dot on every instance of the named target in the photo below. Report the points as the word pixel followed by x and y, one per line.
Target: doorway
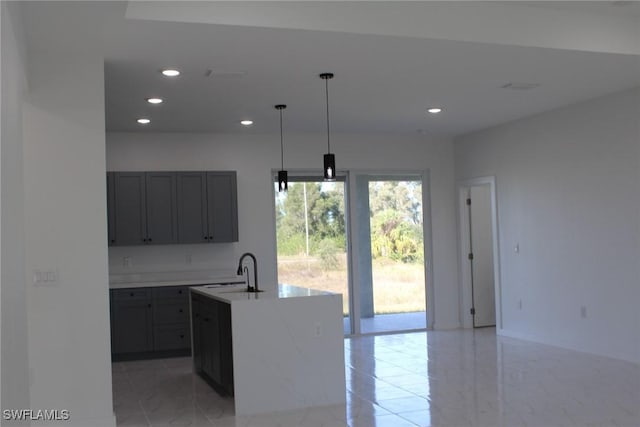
pixel 479 253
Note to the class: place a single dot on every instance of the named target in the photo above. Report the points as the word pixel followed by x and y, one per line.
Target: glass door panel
pixel 311 237
pixel 395 298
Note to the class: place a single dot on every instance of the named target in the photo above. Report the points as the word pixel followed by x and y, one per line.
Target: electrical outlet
pixel 583 312
pixel 519 304
pixel 318 329
pixel 126 262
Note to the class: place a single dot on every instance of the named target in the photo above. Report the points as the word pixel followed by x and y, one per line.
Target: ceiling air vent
pixel 224 74
pixel 520 86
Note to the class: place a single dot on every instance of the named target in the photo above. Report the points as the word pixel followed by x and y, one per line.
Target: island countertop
pixel 287 345
pixel 237 293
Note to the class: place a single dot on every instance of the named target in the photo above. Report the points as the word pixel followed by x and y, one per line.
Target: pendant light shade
pixel 283 181
pixel 329 167
pixel 329 158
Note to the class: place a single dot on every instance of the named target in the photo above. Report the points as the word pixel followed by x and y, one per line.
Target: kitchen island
pixel 277 350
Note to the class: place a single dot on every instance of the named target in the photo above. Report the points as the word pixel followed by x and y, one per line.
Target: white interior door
pixel 483 280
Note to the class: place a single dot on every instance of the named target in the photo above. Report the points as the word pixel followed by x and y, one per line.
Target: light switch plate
pixel 48 277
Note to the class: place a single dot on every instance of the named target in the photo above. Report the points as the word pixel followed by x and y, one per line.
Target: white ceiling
pixel 383 83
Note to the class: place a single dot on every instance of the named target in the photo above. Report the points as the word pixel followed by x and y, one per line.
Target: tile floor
pixel 438 378
pixel 391 322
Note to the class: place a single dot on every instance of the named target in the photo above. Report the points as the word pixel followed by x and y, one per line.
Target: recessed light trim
pixel 434 110
pixel 520 86
pixel 170 72
pixel 143 121
pixel 155 101
pixel 246 122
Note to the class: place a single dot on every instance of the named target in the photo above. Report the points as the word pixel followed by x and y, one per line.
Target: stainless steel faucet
pixel 255 272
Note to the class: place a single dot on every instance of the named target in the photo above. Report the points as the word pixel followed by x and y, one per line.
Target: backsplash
pixel 220 258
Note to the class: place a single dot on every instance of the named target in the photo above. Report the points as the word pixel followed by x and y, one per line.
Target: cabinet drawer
pixel 172 337
pixel 178 292
pixel 131 293
pixel 171 313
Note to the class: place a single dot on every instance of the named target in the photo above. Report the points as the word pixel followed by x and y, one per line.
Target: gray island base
pixel 278 350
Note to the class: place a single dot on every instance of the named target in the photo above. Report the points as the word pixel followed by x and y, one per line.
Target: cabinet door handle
pixel 180 291
pixel 181 336
pixel 206 237
pixel 210 237
pixel 149 239
pixel 149 305
pixel 113 240
pixel 180 310
pixel 144 240
pixel 131 294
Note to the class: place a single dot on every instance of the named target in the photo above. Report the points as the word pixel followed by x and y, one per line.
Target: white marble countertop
pixel 146 280
pixel 237 293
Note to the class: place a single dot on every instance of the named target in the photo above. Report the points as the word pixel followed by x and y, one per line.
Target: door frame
pixel 464 267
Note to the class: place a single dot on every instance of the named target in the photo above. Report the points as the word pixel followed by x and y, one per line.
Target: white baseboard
pixel 440 326
pixel 526 337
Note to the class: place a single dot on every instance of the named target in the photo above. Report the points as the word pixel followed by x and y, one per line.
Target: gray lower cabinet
pixel 150 322
pixel 132 321
pixel 212 343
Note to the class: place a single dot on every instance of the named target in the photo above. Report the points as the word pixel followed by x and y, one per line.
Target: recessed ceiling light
pixel 246 122
pixel 520 86
pixel 154 100
pixel 434 110
pixel 170 72
pixel 144 121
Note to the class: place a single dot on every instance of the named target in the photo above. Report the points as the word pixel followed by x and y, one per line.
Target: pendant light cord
pixel 281 143
pixel 326 85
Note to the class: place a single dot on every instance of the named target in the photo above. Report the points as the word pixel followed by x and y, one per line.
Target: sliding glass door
pixel 311 237
pixel 394 298
pixel 383 281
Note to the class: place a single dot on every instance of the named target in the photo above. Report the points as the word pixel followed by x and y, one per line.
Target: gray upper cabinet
pixel 207 207
pixel 111 224
pixel 222 204
pixel 192 207
pixel 162 216
pixel 130 208
pixel 172 207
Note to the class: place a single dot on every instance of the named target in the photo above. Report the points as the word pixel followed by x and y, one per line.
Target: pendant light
pixel 283 184
pixel 329 158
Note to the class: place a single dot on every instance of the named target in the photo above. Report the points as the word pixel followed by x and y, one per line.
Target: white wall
pixel 14 347
pixel 568 191
pixel 65 231
pixel 253 157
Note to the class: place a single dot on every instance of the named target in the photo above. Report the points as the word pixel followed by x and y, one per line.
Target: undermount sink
pixel 240 291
